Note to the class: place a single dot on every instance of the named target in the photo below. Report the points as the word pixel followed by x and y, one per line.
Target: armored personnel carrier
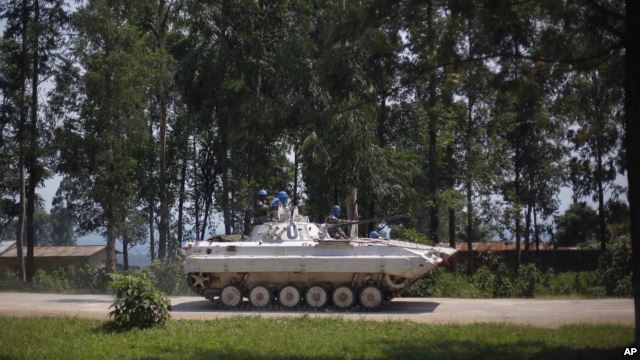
pixel 294 262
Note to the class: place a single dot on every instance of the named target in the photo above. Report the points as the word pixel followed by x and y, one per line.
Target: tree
pixel 596 141
pixel 577 225
pixel 104 131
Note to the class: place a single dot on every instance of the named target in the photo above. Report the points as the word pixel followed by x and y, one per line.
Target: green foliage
pixel 528 276
pixel 409 234
pixel 529 281
pixel 503 284
pixel 577 225
pixel 317 338
pixel 615 269
pixel 168 276
pixel 138 304
pixel 67 279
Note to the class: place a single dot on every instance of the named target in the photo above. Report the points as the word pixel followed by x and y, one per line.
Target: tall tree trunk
pixel 125 251
pixel 452 227
pixel 517 214
pixel 536 235
pixel 196 195
pixel 152 241
pixel 352 210
pixel 469 178
pixel 470 230
pixel 527 232
pixel 433 132
pixel 164 206
pixel 23 123
pixel 182 196
pixel 632 145
pixel 296 165
pixel 602 222
pixel 226 210
pixel 21 218
pixel 151 200
pixel 33 144
pixel 111 241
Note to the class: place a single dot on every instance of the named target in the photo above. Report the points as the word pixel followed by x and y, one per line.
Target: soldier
pixel 333 222
pixel 260 208
pixel 374 234
pixel 279 209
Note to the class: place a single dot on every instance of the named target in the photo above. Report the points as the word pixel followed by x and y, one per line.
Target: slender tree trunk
pixel 517 215
pixel 602 222
pixel 196 195
pixel 527 232
pixel 469 183
pixel 21 218
pixel 632 145
pixel 452 227
pixel 433 132
pixel 182 196
pixel 352 210
pixel 296 165
pixel 536 236
pixel 111 241
pixel 23 123
pixel 125 251
pixel 152 241
pixel 33 147
pixel 226 211
pixel 151 199
pixel 164 206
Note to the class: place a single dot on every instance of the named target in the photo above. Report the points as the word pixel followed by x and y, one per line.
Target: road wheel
pixel 289 296
pixel 342 297
pixel 260 296
pixel 199 281
pixel 316 297
pixel 370 297
pixel 231 296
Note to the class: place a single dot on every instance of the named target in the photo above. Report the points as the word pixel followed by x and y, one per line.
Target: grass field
pixel 258 338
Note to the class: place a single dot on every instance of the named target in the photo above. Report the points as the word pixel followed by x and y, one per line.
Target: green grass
pixel 253 337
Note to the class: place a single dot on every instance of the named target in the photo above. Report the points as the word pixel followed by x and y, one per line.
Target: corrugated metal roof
pixel 59 251
pixel 5 245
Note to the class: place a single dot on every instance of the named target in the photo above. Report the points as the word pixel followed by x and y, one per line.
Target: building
pixel 49 257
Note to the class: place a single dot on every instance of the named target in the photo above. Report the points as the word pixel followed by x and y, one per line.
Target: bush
pixel 614 267
pixel 169 276
pixel 484 280
pixel 138 304
pixel 527 278
pixel 503 284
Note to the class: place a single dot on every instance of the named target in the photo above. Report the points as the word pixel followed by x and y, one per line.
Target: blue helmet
pixel 374 234
pixel 336 211
pixel 282 196
pixel 262 192
pixel 275 202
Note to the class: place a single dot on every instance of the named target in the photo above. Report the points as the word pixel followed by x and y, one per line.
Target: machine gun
pixel 367 221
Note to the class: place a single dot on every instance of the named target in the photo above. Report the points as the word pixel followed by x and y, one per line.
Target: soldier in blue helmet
pixel 334 229
pixel 279 209
pixel 260 208
pixel 374 234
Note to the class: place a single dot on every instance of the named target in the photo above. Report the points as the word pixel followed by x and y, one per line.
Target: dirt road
pixel 538 312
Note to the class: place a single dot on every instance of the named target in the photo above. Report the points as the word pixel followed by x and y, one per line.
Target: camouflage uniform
pixel 260 212
pixel 336 232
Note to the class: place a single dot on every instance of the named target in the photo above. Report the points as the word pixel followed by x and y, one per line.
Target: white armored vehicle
pixel 295 263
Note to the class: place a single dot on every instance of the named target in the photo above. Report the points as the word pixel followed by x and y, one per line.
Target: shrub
pixel 503 284
pixel 138 304
pixel 169 276
pixel 484 280
pixel 614 267
pixel 526 280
